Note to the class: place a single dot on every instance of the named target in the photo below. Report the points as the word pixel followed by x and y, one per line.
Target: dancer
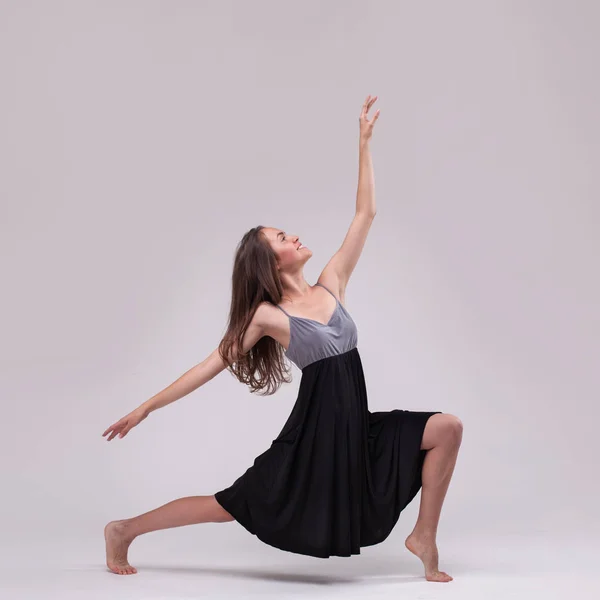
pixel 337 476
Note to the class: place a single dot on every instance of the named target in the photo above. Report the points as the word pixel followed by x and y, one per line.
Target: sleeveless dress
pixel 337 476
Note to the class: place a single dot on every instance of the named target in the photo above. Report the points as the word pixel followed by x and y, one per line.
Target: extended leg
pixel 441 439
pixel 184 511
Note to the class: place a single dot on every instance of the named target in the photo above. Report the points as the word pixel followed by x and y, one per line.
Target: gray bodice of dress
pixel 312 340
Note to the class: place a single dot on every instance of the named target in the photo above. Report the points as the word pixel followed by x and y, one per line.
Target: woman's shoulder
pixel 269 318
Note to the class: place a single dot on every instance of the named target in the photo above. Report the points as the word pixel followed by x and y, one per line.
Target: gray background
pixel 140 140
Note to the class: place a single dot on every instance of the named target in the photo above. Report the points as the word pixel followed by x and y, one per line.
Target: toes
pixel 439 576
pixel 123 569
pixel 127 570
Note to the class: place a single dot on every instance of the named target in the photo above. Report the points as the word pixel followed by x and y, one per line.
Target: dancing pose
pixel 337 476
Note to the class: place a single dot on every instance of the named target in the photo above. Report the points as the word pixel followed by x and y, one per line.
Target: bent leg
pixel 442 439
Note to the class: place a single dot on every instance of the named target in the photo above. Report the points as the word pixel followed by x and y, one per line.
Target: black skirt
pixel 337 476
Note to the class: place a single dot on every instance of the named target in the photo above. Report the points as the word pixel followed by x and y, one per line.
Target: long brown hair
pixel 255 279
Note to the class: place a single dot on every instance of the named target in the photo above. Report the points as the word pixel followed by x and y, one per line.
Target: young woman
pixel 337 476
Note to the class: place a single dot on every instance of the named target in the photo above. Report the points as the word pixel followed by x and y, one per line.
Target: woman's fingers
pixel 119 429
pixel 113 434
pixel 109 429
pixel 124 425
pixel 369 102
pixel 365 107
pixel 114 429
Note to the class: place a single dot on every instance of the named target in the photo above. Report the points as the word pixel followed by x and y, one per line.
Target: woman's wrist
pixel 145 408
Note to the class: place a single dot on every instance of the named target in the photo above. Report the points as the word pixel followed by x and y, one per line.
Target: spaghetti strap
pixel 283 309
pixel 328 290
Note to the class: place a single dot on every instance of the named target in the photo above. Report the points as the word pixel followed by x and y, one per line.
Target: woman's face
pixel 288 247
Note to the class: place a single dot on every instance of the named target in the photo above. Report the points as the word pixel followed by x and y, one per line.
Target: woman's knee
pixel 442 428
pixel 455 428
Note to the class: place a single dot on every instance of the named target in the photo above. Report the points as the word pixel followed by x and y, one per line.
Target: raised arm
pixel 339 268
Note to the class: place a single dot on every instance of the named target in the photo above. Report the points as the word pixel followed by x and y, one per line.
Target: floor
pixel 181 563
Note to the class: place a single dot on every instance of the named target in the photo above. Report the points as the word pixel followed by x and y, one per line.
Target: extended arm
pixel 188 382
pixel 197 376
pixel 191 380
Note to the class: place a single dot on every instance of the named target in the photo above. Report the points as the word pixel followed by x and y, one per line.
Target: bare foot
pixel 116 548
pixel 426 549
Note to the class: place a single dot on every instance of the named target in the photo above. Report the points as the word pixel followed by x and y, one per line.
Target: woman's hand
pixel 366 126
pixel 122 426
